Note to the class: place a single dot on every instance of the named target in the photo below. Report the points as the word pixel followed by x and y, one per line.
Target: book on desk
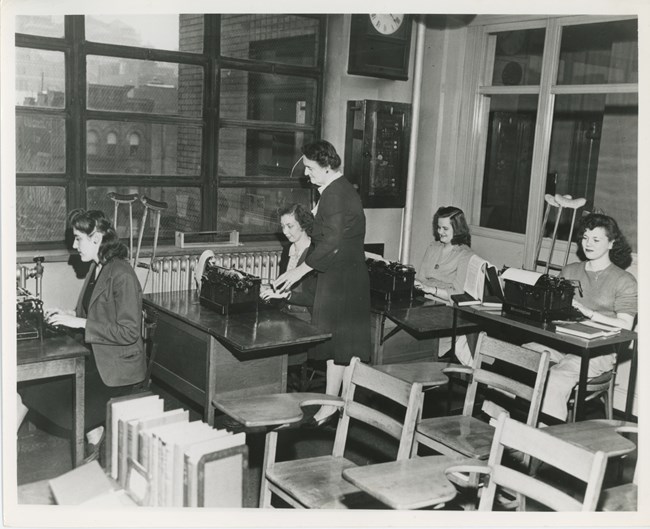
pixel 159 458
pixel 586 329
pixel 482 286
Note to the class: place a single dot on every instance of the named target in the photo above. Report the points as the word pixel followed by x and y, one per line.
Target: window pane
pixel 163 149
pixel 594 156
pixel 508 161
pixel 183 212
pixel 518 57
pixel 40 78
pixel 131 85
pixel 167 32
pixel 285 39
pixel 40 146
pixel 245 152
pixel 255 210
pixel 267 97
pixel 42 25
pixel 600 53
pixel 40 213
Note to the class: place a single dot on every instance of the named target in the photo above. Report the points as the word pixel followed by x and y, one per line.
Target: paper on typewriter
pixel 522 276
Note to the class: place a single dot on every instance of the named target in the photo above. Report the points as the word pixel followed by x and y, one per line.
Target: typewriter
pixel 549 298
pixel 30 320
pixel 227 290
pixel 390 281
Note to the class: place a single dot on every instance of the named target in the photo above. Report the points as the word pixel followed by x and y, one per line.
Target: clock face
pixel 386 24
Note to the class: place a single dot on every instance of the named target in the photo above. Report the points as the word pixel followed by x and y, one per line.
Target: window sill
pixel 63 255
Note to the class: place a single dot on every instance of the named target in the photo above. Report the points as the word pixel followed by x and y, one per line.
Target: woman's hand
pixel 55 310
pixel 588 313
pixel 270 294
pixel 284 282
pixel 67 320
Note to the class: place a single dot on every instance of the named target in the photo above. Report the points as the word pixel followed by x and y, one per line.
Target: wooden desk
pixel 595 435
pixel 545 333
pixel 408 484
pixel 53 357
pixel 424 322
pixel 205 355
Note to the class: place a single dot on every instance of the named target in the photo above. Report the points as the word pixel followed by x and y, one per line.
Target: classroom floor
pixel 43 455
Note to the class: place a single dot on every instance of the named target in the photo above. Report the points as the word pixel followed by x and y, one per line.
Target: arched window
pixel 111 144
pixel 134 143
pixel 91 142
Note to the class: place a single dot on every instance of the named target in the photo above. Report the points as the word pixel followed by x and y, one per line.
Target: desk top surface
pixel 246 332
pixel 547 330
pixel 49 349
pixel 429 318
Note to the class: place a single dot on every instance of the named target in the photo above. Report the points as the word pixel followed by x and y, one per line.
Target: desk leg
pixel 454 330
pixel 211 382
pixel 582 385
pixel 79 411
pixel 631 383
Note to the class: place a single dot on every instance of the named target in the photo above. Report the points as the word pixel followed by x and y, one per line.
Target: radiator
pixel 177 272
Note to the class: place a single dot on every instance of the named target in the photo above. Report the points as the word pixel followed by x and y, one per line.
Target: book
pixel 137 425
pixel 193 456
pixel 585 330
pixel 464 299
pixel 482 285
pixel 123 408
pixel 80 485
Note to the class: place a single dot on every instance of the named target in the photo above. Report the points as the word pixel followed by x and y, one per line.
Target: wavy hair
pixel 323 153
pixel 93 220
pixel 458 223
pixel 621 252
pixel 304 217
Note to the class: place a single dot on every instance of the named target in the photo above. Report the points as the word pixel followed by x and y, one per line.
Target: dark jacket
pixel 342 301
pixel 304 291
pixel 114 323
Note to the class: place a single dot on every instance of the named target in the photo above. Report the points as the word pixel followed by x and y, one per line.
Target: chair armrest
pixel 463 370
pixel 326 400
pixel 468 468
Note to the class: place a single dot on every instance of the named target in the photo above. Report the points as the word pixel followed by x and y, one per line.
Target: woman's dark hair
pixel 458 223
pixel 303 216
pixel 323 153
pixel 621 252
pixel 92 221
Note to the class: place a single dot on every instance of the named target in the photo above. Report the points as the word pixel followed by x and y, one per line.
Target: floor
pixel 43 455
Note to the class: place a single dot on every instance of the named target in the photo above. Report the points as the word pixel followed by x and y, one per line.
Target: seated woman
pixel 296 222
pixel 444 266
pixel 609 295
pixel 109 311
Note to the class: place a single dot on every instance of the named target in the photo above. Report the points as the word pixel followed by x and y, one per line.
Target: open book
pixel 482 285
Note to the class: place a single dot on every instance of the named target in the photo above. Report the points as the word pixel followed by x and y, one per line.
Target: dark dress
pixel 342 300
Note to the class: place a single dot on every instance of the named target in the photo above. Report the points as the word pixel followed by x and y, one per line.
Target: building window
pixel 134 143
pixel 559 114
pixel 265 107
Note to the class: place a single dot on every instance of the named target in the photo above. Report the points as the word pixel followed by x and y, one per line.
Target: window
pixel 210 126
pixel 558 102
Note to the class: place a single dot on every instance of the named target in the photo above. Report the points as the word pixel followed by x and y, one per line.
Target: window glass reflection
pixel 40 213
pixel 518 57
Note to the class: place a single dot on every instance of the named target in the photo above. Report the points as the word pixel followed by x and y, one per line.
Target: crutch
pixel 119 198
pixel 561 202
pixel 156 207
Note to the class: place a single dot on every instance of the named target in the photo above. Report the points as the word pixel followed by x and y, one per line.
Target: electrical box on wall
pixel 376 151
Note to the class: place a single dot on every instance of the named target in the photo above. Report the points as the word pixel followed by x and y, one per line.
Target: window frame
pixel 478 74
pixel 76 178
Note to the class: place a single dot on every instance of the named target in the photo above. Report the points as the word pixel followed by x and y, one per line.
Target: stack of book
pixel 165 460
pixel 586 329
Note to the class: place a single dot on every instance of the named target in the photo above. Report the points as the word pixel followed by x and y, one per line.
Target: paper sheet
pixel 521 276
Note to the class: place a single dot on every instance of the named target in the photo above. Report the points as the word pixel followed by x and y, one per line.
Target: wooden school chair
pixel 622 497
pixel 467 435
pixel 581 463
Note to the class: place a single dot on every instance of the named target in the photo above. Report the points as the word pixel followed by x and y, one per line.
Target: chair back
pixel 574 460
pixel 488 350
pixel 376 383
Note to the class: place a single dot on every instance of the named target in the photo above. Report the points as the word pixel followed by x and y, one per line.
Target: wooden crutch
pixel 119 198
pixel 157 208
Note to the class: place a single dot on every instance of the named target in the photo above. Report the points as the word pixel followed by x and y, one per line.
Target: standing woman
pixel 109 310
pixel 342 300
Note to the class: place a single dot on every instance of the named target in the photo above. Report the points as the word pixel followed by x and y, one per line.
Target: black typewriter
pixel 390 281
pixel 550 298
pixel 30 320
pixel 229 291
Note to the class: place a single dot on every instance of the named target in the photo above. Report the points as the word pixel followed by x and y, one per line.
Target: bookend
pixel 240 453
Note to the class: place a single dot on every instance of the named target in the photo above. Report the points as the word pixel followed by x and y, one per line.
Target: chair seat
pixel 468 436
pixel 620 498
pixel 315 482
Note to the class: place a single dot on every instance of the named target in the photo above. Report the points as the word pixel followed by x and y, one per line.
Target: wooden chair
pixel 601 387
pixel 318 482
pixel 467 435
pixel 576 461
pixel 622 497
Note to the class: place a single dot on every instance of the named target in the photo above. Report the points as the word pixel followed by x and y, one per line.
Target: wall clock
pixel 380 45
